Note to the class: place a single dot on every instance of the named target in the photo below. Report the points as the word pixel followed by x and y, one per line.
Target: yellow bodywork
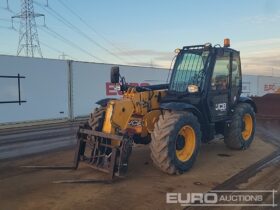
pixel 135 113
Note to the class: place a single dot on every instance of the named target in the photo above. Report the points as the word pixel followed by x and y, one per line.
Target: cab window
pixel 220 77
pixel 236 77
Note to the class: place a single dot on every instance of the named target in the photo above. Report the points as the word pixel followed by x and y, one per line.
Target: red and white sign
pixel 111 90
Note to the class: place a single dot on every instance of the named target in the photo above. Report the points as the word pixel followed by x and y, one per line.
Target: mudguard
pixel 104 102
pixel 178 106
pixel 248 100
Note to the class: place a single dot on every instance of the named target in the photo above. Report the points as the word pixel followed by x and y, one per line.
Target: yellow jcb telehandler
pixel 201 100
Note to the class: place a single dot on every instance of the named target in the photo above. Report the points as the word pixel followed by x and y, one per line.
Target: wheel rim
pixel 185 143
pixel 248 126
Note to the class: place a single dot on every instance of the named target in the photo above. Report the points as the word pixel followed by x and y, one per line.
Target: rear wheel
pixel 240 133
pixel 175 142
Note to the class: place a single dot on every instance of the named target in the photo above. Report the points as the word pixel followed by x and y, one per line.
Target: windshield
pixel 188 70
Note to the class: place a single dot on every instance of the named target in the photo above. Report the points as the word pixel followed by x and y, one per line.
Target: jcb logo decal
pixel 221 107
pixel 134 123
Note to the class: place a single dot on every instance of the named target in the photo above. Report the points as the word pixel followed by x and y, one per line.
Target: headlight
pixel 192 88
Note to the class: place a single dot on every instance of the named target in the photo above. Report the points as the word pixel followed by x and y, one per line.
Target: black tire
pixel 233 133
pixel 96 118
pixel 95 122
pixel 164 138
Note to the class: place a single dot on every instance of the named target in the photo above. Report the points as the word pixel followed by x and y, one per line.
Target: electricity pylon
pixel 28 43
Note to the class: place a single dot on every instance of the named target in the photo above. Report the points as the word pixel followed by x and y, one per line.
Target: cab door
pixel 218 95
pixel 235 79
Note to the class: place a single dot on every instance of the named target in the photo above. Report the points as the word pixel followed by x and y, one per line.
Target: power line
pixel 59 17
pixel 71 26
pixel 51 48
pixel 93 29
pixel 42 43
pixel 58 36
pixel 56 50
pixel 8 7
pixel 53 33
pixel 8 20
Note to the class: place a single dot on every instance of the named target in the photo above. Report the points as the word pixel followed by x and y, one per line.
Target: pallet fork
pixel 93 150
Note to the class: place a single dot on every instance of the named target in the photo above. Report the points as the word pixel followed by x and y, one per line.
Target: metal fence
pixel 66 90
pixel 60 89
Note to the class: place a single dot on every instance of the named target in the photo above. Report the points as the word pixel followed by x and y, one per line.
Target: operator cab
pixel 208 78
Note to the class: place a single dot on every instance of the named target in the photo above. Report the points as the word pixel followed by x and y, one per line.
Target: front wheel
pixel 175 142
pixel 240 133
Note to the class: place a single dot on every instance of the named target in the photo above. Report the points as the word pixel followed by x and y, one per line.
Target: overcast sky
pixel 146 32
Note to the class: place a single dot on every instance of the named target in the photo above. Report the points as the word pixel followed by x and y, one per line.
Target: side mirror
pixel 115 74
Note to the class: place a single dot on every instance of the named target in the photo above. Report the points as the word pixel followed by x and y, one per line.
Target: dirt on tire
pixel 163 147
